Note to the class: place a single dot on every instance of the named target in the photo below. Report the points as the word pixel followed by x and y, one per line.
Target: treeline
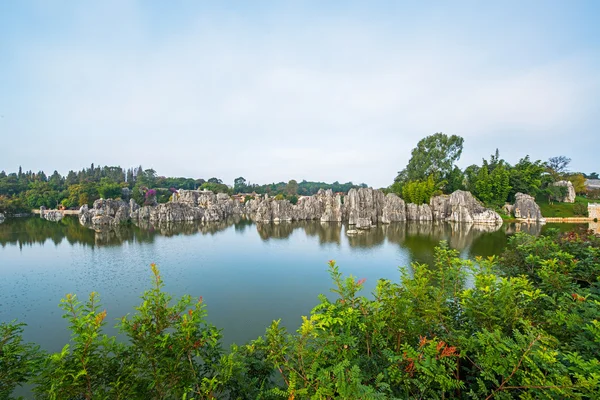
pixel 524 326
pixel 22 191
pixel 432 170
pixel 304 188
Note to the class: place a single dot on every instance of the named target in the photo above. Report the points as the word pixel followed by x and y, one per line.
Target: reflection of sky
pixel 246 280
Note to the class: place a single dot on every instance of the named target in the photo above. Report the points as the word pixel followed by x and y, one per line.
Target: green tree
pixel 108 189
pixel 291 188
pixel 526 177
pixel 239 185
pixel 434 155
pixel 578 181
pixel 492 187
pixel 419 192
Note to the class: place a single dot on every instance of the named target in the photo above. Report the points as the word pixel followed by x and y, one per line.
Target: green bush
pixel 580 209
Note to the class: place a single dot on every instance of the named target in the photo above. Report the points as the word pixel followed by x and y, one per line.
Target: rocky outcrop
pixel 569 195
pixel 419 213
pixel 189 205
pixel 105 213
pixel 362 208
pixel 394 209
pixel 462 206
pixel 323 206
pixel 333 206
pixel 526 208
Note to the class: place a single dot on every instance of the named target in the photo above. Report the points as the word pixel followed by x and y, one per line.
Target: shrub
pixel 580 209
pixel 293 199
pixel 18 360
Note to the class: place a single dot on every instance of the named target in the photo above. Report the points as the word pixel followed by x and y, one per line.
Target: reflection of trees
pixel 35 230
pixel 420 238
pixel 242 224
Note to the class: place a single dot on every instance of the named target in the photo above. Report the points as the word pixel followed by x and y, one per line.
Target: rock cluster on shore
pixel 361 208
pixel 570 192
pixel 525 208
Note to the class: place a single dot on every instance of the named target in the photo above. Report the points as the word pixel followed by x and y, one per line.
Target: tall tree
pixel 434 156
pixel 291 188
pixel 558 166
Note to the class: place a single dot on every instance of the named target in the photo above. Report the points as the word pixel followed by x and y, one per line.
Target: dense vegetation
pixel 22 191
pixel 431 170
pixel 525 325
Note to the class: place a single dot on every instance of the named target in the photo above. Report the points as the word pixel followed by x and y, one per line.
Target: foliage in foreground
pixel 523 326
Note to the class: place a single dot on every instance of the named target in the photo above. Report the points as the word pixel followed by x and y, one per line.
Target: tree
pixel 419 192
pixel 291 188
pixel 492 186
pixel 526 177
pixel 215 180
pixel 558 166
pixel 578 181
pixel 434 155
pixel 239 185
pixel 108 189
pixel 593 175
pixel 455 181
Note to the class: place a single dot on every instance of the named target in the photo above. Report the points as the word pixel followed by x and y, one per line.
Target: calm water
pixel 248 274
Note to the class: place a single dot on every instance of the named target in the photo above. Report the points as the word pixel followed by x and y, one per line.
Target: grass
pixel 561 210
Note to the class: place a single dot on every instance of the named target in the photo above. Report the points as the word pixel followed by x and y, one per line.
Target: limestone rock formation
pixel 189 205
pixel 105 213
pixel 333 206
pixel 419 213
pixel 363 207
pixel 394 209
pixel 463 207
pixel 570 195
pixel 526 208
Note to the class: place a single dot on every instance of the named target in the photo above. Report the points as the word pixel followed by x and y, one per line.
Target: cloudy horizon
pixel 294 90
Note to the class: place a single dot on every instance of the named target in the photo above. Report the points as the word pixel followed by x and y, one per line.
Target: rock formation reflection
pixel 419 238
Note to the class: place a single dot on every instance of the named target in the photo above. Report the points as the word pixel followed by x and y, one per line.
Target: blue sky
pixel 271 91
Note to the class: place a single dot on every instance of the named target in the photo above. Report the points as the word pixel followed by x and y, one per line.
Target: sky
pixel 315 90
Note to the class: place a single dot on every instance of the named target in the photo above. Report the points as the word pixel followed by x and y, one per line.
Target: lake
pixel 248 274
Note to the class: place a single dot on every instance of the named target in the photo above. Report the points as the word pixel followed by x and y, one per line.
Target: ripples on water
pixel 248 274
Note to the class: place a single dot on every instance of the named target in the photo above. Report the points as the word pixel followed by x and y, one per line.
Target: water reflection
pixel 417 237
